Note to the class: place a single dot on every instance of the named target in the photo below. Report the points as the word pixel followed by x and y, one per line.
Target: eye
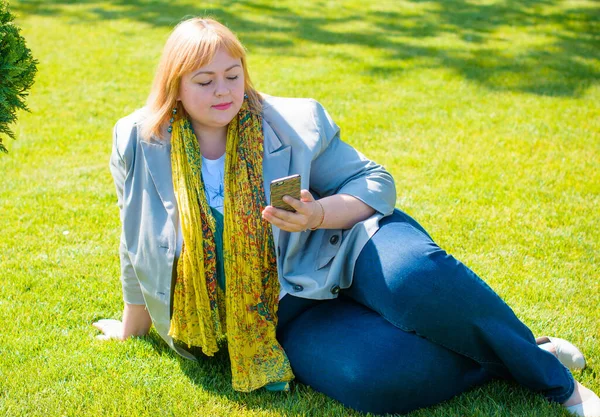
pixel 233 78
pixel 205 84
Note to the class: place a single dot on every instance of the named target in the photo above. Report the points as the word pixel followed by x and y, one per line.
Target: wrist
pixel 321 215
pixel 136 321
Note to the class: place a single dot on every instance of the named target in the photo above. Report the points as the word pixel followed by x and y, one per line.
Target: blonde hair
pixel 192 44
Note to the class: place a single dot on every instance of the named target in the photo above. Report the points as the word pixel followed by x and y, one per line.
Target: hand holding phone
pixel 285 186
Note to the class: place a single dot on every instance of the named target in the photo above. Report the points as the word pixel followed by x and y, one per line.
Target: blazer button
pixel 334 239
pixel 335 289
pixel 298 288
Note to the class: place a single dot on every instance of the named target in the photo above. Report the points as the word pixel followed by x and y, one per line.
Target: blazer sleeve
pixel 340 169
pixel 119 167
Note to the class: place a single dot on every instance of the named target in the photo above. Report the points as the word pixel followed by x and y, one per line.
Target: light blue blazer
pixel 299 138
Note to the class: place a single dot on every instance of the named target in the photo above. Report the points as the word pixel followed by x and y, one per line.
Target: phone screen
pixel 285 186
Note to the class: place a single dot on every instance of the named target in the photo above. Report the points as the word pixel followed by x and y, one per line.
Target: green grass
pixel 486 112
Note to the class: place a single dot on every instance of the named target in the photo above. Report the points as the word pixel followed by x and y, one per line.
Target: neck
pixel 211 140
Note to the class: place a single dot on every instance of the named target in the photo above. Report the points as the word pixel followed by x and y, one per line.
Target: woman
pixel 346 294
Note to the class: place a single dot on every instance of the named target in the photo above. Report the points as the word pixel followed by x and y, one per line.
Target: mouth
pixel 223 106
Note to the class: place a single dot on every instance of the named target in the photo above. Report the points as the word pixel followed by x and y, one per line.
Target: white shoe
pixel 588 408
pixel 566 353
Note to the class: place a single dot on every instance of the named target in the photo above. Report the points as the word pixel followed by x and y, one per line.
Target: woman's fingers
pixel 292 221
pixel 282 219
pixel 297 205
pixel 306 196
pixel 301 206
pixel 106 323
pixel 285 220
pixel 288 227
pixel 110 328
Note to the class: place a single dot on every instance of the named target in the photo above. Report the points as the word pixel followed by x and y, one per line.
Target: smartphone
pixel 285 186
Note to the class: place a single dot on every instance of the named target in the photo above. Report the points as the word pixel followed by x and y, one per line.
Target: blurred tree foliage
pixel 17 72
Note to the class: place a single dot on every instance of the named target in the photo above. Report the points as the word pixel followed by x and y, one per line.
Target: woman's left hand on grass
pixel 308 213
pixel 136 322
pixel 110 328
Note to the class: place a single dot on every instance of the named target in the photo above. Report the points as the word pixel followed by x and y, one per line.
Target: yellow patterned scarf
pixel 246 314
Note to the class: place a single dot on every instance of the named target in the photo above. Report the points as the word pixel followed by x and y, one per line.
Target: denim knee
pixel 352 354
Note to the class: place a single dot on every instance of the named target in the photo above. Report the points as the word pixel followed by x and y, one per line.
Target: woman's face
pixel 213 94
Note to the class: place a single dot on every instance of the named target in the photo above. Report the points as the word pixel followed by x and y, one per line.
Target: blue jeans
pixel 416 327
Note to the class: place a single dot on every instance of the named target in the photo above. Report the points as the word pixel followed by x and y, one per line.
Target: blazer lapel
pixel 158 161
pixel 276 164
pixel 276 159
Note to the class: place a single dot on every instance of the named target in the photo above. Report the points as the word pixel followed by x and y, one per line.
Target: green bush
pixel 17 72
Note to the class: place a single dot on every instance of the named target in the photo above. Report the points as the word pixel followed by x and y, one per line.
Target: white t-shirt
pixel 213 174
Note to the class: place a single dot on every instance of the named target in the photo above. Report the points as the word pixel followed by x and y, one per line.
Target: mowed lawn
pixel 486 112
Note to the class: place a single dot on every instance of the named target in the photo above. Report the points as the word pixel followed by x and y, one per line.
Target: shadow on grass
pixel 495 398
pixel 565 64
pixel 213 374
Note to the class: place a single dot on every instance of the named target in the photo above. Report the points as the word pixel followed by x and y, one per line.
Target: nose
pixel 221 89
